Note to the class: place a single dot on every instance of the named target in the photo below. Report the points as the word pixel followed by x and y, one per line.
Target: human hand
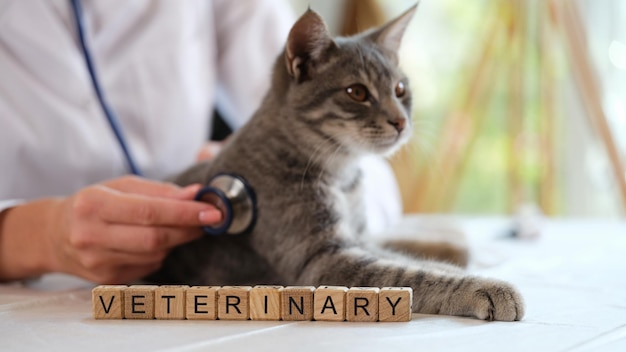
pixel 123 229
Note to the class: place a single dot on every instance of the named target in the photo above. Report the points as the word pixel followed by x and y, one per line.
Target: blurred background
pixel 518 103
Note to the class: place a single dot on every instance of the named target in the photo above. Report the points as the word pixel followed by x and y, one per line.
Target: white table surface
pixel 573 279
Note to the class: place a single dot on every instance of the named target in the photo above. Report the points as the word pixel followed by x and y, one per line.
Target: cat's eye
pixel 400 90
pixel 358 92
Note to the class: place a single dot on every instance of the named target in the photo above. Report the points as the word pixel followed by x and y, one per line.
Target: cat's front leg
pixel 437 288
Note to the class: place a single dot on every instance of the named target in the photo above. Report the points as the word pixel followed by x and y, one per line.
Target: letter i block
pixel 395 304
pixel 362 304
pixel 201 303
pixel 233 303
pixel 139 302
pixel 265 302
pixel 108 302
pixel 169 302
pixel 330 303
pixel 297 303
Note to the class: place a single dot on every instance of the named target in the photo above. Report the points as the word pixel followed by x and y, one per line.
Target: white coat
pixel 164 67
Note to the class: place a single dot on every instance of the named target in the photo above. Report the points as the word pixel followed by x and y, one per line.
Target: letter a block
pixel 265 302
pixel 169 302
pixel 362 304
pixel 297 303
pixel 139 302
pixel 201 303
pixel 108 302
pixel 330 303
pixel 233 303
pixel 395 304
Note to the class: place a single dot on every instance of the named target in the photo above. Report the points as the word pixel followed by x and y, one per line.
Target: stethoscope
pixel 230 193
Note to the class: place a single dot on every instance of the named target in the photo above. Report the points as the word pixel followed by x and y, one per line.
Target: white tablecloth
pixel 572 278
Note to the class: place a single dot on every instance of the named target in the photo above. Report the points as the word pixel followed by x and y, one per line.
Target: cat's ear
pixel 307 45
pixel 389 36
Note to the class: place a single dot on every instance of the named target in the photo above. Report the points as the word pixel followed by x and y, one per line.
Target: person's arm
pixel 112 232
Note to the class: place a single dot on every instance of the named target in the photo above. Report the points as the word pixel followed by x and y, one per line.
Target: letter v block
pixel 362 304
pixel 108 302
pixel 233 303
pixel 395 304
pixel 329 303
pixel 297 303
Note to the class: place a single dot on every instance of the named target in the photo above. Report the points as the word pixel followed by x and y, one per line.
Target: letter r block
pixel 297 303
pixel 139 302
pixel 233 303
pixel 395 304
pixel 169 302
pixel 362 304
pixel 108 302
pixel 330 303
pixel 201 303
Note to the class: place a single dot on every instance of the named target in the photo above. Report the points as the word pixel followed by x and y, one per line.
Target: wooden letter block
pixel 330 303
pixel 233 303
pixel 201 303
pixel 395 303
pixel 108 302
pixel 169 302
pixel 265 302
pixel 139 302
pixel 297 303
pixel 362 304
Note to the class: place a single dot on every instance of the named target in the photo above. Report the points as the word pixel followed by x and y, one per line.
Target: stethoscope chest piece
pixel 234 197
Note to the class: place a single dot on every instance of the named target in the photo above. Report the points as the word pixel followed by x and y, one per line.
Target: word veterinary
pixel 326 303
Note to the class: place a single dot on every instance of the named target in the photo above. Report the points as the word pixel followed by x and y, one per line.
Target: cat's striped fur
pixel 299 152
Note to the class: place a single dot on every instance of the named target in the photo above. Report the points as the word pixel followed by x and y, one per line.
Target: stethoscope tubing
pixel 116 127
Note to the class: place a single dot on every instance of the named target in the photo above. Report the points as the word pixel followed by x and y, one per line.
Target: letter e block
pixel 297 303
pixel 362 304
pixel 108 302
pixel 233 303
pixel 201 303
pixel 265 302
pixel 139 302
pixel 169 302
pixel 329 303
pixel 395 303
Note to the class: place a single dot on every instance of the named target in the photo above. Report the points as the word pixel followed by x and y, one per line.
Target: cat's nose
pixel 398 123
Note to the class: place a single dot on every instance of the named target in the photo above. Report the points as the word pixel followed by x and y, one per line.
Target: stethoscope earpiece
pixel 234 197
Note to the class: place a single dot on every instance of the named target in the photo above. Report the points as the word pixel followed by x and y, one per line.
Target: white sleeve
pixel 6 204
pixel 383 204
pixel 250 35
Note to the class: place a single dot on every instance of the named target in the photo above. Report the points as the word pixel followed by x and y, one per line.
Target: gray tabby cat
pixel 330 102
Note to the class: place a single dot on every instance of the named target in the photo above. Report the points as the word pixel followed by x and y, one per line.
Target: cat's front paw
pixel 488 300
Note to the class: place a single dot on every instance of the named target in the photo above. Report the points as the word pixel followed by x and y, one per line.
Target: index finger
pixel 138 209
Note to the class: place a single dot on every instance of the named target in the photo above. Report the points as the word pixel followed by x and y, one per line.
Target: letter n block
pixel 201 303
pixel 169 302
pixel 329 303
pixel 108 302
pixel 139 302
pixel 362 304
pixel 265 302
pixel 233 303
pixel 297 303
pixel 395 304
